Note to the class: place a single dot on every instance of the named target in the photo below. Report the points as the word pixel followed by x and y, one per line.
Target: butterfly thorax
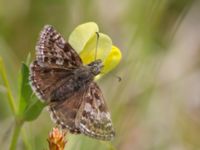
pixel 79 79
pixel 85 74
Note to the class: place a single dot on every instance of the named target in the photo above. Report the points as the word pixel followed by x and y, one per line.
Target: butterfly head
pixel 95 66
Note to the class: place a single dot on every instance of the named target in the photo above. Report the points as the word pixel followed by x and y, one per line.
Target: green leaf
pixel 25 89
pixel 81 34
pixel 33 110
pixel 28 59
pixel 30 106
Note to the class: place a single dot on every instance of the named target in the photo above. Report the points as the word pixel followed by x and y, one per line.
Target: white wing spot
pixel 87 107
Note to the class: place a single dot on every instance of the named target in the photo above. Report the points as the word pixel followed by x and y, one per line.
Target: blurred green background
pixel 156 106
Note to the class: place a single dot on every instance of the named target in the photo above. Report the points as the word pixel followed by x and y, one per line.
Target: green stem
pixel 16 133
pixel 24 138
pixel 11 101
pixel 9 93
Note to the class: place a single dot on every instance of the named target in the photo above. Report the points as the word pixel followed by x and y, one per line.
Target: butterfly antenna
pixel 95 56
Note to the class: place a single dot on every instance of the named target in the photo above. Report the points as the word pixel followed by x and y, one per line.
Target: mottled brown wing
pixel 45 80
pixel 64 113
pixel 93 118
pixel 52 50
pixel 55 60
pixel 85 112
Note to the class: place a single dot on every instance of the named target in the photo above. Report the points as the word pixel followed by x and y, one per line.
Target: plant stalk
pixel 8 90
pixel 15 135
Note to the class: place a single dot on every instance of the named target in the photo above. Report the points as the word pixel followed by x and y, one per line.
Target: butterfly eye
pixel 95 70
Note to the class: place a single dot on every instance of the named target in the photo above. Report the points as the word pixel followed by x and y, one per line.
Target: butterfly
pixel 60 79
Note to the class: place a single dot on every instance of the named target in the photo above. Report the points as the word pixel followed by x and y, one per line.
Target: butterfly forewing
pixel 52 49
pixel 58 77
pixel 54 61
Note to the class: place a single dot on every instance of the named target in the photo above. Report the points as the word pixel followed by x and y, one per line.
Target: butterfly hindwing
pixel 85 112
pixel 44 79
pixel 64 113
pixel 93 117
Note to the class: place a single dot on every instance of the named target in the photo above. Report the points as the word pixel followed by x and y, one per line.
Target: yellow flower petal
pixel 84 40
pixel 111 61
pixel 81 34
pixel 103 49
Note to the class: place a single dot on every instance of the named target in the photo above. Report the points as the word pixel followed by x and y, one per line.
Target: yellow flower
pixel 56 139
pixel 84 40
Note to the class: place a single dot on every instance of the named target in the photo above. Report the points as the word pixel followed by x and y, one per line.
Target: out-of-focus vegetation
pixel 156 106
